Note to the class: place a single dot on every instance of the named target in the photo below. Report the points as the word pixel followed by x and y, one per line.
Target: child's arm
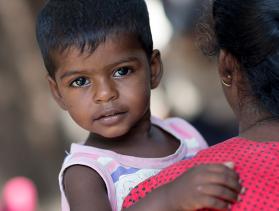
pixel 206 186
pixel 85 189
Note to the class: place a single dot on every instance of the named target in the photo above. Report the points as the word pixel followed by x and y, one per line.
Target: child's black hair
pixel 85 24
pixel 249 30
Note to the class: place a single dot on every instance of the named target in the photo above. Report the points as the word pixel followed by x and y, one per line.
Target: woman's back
pixel 257 163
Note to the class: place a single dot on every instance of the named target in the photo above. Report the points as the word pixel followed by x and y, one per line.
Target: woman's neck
pixel 262 130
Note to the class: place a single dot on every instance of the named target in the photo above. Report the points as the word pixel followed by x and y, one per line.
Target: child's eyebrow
pixel 69 73
pixel 124 60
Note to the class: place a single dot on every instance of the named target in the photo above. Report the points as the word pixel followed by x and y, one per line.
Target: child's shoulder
pixel 177 122
pixel 181 128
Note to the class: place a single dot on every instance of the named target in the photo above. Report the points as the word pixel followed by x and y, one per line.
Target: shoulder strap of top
pixel 184 130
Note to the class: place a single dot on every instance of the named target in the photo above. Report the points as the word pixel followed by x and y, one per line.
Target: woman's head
pixel 247 35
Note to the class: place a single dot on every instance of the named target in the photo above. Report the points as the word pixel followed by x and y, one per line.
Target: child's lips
pixel 110 117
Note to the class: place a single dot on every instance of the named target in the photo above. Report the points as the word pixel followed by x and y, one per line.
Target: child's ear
pixel 156 69
pixel 55 92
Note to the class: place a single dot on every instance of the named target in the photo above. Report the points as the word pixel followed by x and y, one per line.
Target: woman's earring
pixel 226 84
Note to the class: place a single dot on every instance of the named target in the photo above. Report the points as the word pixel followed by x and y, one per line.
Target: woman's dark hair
pixel 85 24
pixel 249 30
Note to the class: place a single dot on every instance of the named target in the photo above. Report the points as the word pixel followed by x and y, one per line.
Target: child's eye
pixel 80 82
pixel 120 72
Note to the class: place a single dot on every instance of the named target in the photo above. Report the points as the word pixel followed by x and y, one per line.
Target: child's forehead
pixel 112 49
pixel 121 43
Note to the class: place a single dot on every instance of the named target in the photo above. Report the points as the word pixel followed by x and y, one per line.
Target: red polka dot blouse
pixel 257 164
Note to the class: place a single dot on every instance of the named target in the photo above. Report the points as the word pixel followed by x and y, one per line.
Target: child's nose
pixel 105 92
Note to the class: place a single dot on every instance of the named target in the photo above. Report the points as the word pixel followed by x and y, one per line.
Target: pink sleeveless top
pixel 121 173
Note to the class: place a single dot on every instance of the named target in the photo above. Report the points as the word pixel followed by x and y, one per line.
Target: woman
pixel 247 37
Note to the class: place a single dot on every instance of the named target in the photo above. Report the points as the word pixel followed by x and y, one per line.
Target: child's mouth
pixel 110 118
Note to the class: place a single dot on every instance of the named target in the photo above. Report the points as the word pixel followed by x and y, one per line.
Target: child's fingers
pixel 206 201
pixel 224 169
pixel 218 191
pixel 225 179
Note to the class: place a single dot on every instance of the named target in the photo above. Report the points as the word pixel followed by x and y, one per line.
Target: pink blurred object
pixel 19 194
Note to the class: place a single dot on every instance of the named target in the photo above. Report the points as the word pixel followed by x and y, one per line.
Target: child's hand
pixel 206 186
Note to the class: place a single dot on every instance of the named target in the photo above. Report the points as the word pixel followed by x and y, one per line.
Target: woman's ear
pixel 231 76
pixel 55 92
pixel 228 68
pixel 156 67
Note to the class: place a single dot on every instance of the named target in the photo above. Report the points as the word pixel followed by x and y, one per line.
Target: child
pixel 247 33
pixel 102 66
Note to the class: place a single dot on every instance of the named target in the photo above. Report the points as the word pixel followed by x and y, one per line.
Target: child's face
pixel 106 92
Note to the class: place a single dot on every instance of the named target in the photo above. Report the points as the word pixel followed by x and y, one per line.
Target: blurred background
pixel 35 133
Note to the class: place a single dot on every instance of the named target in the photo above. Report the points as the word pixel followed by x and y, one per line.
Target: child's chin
pixel 114 134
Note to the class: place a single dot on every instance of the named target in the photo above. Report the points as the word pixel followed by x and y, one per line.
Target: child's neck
pixel 139 131
pixel 143 140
